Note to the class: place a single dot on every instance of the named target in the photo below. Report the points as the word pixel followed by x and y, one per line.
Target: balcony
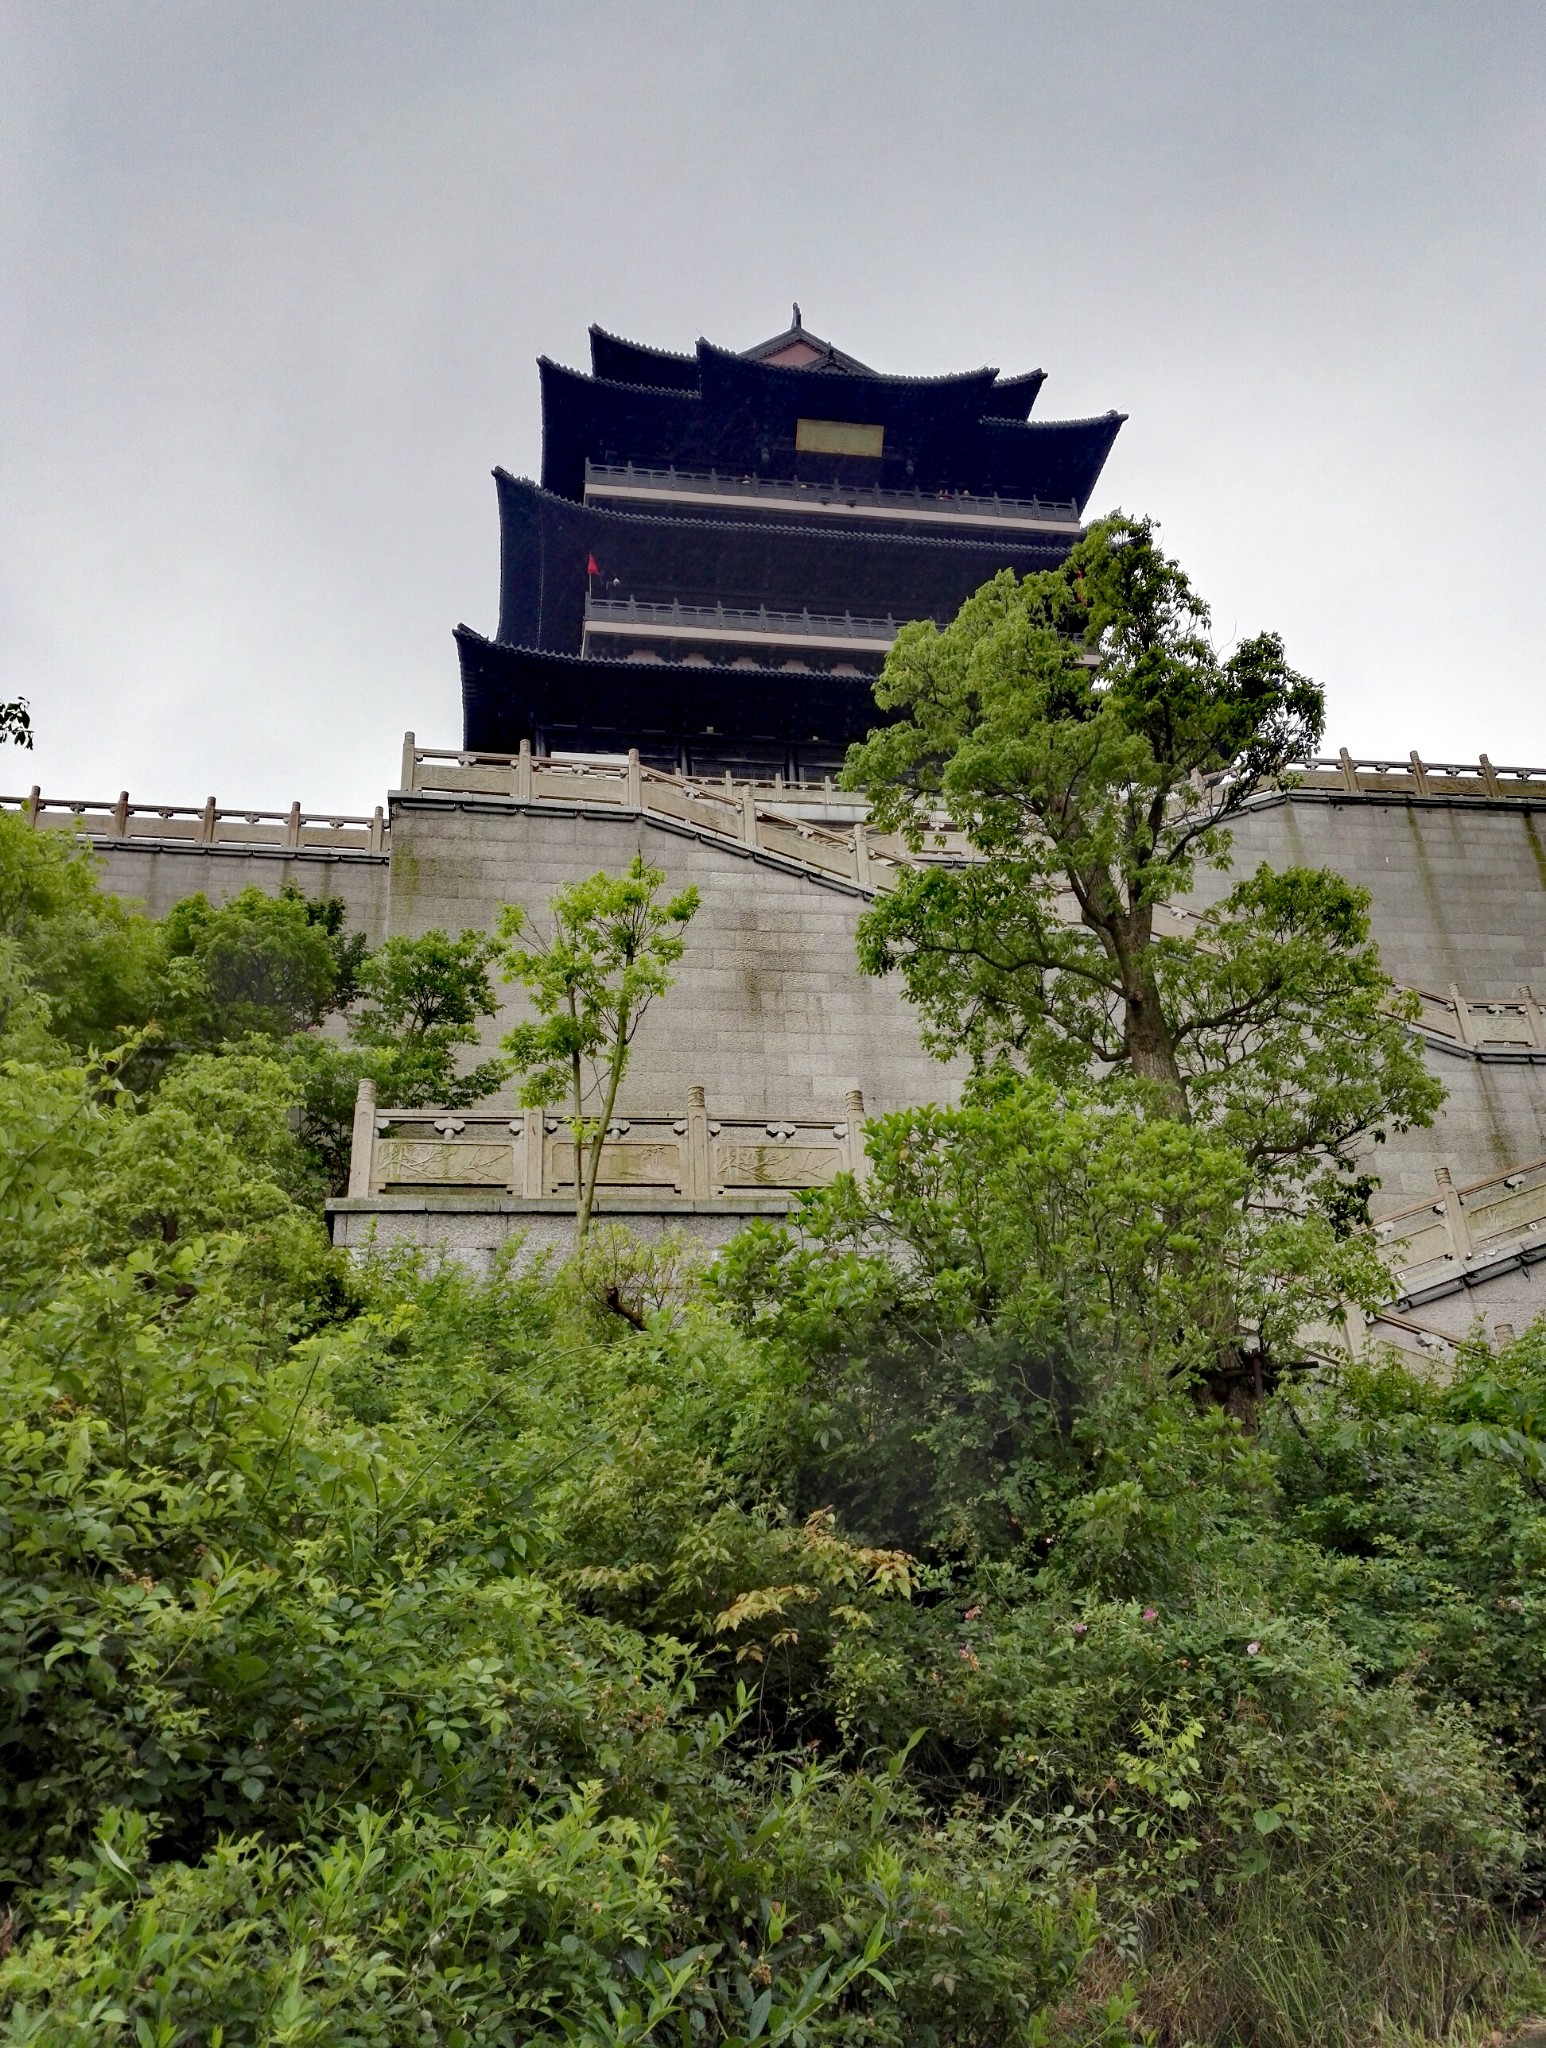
pixel 621 485
pixel 629 619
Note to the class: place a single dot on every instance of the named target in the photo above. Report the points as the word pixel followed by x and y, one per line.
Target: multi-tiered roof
pixel 723 546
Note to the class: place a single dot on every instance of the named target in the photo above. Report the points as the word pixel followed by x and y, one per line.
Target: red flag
pixel 592 568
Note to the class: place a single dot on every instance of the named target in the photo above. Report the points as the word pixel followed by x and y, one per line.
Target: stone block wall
pixel 772 1017
pixel 770 1014
pixel 160 875
pixel 1459 889
pixel 1459 897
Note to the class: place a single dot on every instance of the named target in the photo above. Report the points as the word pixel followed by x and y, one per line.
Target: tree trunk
pixel 577 1127
pixel 593 1165
pixel 1150 1053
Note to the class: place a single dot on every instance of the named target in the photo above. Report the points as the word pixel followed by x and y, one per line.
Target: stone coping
pixel 612 1207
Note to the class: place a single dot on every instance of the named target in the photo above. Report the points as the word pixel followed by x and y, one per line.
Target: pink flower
pixel 1081 1628
pixel 1253 1649
pixel 1151 1614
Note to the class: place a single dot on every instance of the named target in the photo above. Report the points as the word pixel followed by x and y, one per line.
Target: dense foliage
pixel 882 1637
pixel 1083 733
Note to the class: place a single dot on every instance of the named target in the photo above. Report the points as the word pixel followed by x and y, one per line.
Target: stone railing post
pixel 695 1181
pixel 293 826
pixel 1535 1013
pixel 533 1138
pixel 1490 777
pixel 33 805
pixel 521 783
pixel 1419 773
pixel 635 784
pixel 121 815
pixel 853 1139
pixel 1349 772
pixel 748 815
pixel 409 780
pixel 207 823
pixel 861 854
pixel 1455 1225
pixel 362 1149
pixel 377 830
pixel 1462 1011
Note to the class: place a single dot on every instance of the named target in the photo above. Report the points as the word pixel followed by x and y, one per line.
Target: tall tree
pixel 1083 732
pixel 607 956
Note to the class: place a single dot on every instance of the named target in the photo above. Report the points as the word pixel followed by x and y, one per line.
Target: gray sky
pixel 273 278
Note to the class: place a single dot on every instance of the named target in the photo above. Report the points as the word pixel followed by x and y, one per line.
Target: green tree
pixel 1082 731
pixel 419 1002
pixel 16 722
pixel 1004 1262
pixel 75 963
pixel 258 965
pixel 606 958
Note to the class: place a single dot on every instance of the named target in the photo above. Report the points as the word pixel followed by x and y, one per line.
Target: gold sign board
pixel 838 437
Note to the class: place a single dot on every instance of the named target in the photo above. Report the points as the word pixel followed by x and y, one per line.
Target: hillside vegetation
pixel 962 1616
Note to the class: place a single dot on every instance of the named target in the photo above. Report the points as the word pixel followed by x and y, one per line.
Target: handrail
pixel 206 824
pixel 1341 773
pixel 730 622
pixel 1344 774
pixel 613 479
pixel 768 818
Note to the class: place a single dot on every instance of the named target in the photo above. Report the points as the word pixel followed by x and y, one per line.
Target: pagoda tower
pixel 723 546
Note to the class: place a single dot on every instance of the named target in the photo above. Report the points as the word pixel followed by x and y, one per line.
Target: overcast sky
pixel 273 278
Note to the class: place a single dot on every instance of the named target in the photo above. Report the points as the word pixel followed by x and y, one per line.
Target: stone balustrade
pixel 657 1162
pixel 1469 1260
pixel 1342 774
pixel 1465 1231
pixel 692 1154
pixel 772 817
pixel 622 781
pixel 209 824
pixel 771 814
